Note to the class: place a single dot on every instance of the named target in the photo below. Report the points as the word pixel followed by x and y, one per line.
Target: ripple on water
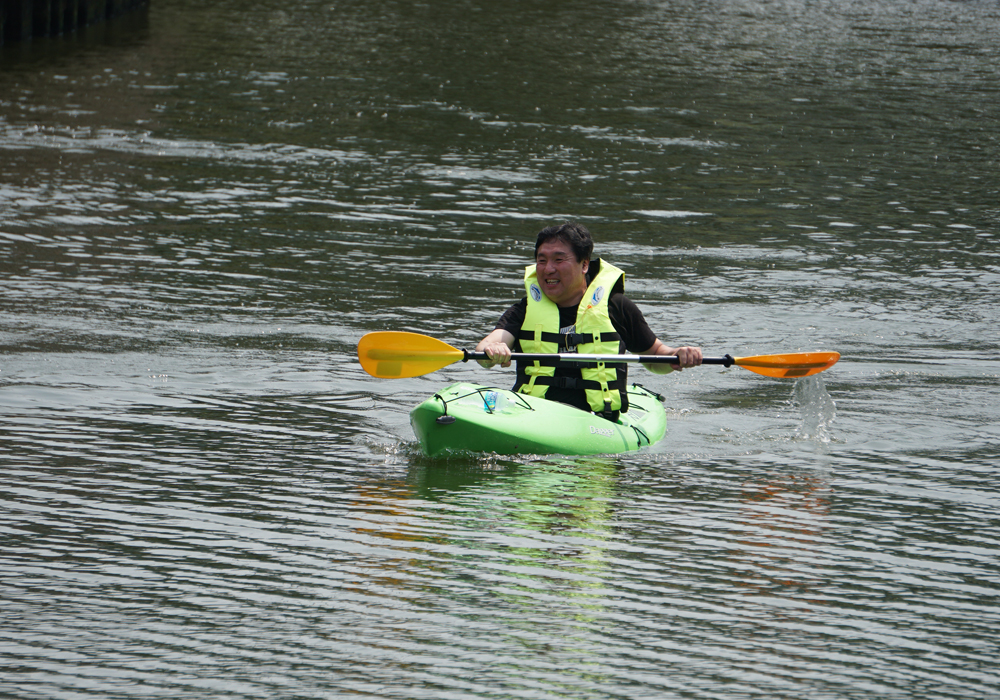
pixel 204 495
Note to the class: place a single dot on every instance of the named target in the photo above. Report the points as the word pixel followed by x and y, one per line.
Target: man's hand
pixel 688 356
pixel 497 347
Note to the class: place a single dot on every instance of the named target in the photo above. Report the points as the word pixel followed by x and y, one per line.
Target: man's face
pixel 560 275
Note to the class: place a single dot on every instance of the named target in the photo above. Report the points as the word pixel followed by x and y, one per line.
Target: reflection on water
pixel 205 496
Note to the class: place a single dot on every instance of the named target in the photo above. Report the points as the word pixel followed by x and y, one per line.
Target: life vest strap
pixel 566 360
pixel 574 383
pixel 570 340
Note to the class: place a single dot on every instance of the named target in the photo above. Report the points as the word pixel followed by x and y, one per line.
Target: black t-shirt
pixel 627 319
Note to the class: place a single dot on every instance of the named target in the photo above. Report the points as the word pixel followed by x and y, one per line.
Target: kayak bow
pixel 474 418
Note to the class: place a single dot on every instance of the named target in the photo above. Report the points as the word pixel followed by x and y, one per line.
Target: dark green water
pixel 202 210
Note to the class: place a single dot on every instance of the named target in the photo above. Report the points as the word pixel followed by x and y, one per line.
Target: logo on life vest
pixel 598 295
pixel 535 292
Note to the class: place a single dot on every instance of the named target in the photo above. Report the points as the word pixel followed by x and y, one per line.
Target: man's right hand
pixel 497 347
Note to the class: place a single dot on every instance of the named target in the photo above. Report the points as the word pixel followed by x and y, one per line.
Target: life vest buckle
pixel 571 340
pixel 564 382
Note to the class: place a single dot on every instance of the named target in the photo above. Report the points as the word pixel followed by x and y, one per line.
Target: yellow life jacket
pixel 594 334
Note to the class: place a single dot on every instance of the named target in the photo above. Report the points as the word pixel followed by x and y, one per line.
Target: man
pixel 574 304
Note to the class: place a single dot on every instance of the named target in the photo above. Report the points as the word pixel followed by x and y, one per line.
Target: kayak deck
pixel 474 418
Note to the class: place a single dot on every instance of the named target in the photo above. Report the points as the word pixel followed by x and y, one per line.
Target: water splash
pixel 818 408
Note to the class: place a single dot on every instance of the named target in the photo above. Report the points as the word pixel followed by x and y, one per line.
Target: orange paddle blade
pixel 790 365
pixel 397 354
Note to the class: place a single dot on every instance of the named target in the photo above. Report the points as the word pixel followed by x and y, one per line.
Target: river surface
pixel 205 206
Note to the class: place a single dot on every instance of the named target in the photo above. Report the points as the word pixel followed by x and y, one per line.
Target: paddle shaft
pixel 571 358
pixel 398 354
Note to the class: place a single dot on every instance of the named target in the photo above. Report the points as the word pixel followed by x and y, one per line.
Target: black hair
pixel 576 235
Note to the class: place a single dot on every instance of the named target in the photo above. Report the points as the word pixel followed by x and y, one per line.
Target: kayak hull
pixel 473 418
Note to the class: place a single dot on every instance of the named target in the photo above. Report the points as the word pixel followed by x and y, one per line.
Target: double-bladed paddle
pixel 398 354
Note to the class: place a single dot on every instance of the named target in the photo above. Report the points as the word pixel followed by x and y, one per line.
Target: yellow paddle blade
pixel 397 354
pixel 790 365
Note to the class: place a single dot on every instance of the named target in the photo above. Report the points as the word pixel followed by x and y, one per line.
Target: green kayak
pixel 469 417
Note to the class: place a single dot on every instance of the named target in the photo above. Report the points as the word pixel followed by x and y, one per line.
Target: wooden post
pixel 55 18
pixel 15 18
pixel 40 18
pixel 22 19
pixel 69 15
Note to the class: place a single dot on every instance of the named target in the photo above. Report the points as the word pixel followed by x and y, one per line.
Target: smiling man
pixel 575 304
